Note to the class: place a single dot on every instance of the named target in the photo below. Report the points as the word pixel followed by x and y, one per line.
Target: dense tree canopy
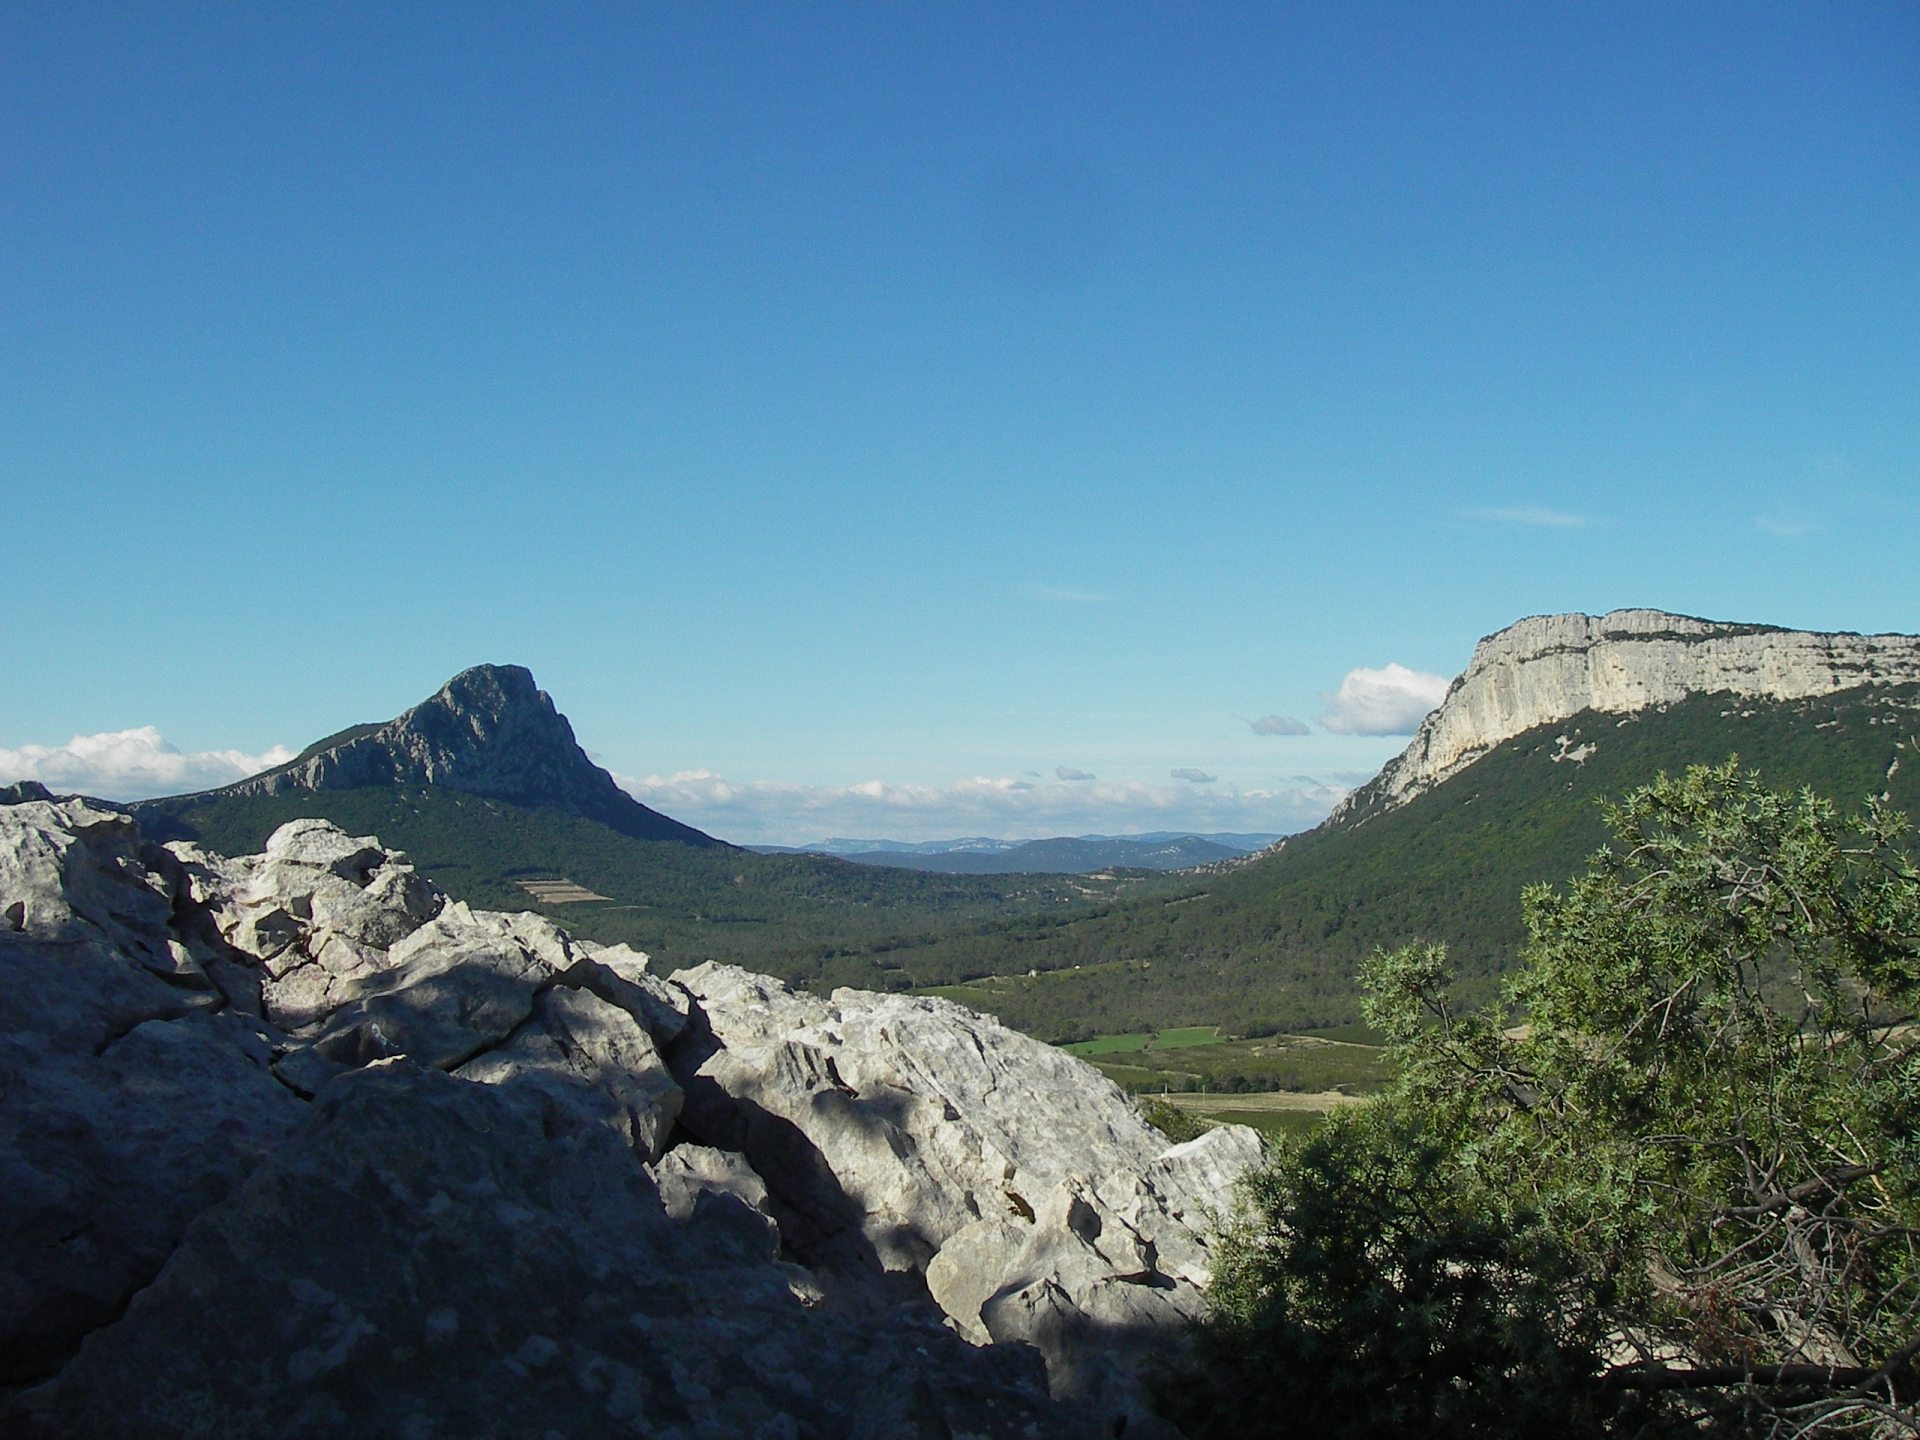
pixel 1673 1185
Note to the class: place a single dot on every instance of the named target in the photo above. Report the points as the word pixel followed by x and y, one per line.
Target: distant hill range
pixel 1062 855
pixel 1500 787
pixel 485 786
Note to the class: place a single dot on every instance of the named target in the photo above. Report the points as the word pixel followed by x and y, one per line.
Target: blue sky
pixel 871 414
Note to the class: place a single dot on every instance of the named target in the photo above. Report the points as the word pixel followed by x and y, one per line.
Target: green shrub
pixel 1684 1195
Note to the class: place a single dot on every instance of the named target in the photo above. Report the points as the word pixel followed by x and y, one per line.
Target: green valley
pixel 811 919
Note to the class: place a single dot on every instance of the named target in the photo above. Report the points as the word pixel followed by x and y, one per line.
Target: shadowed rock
pixel 910 1142
pixel 424 1258
pixel 294 1144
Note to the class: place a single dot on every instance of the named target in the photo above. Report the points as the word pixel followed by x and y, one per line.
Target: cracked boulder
pixel 910 1144
pixel 424 1259
pixel 454 987
pixel 591 1063
pixel 319 909
pixel 71 870
pixel 619 975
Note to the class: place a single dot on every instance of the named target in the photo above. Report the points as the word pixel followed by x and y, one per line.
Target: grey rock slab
pixel 394 902
pixel 689 1171
pixel 321 845
pixel 421 1258
pixel 105 1158
pixel 720 1193
pixel 308 981
pixel 619 975
pixel 299 995
pixel 455 986
pixel 76 995
pixel 972 1268
pixel 911 1141
pixel 315 877
pixel 1081 1285
pixel 930 1116
pixel 70 870
pixel 593 1063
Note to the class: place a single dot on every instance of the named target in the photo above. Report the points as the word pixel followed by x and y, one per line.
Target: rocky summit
pixel 297 1144
pixel 1549 667
pixel 488 731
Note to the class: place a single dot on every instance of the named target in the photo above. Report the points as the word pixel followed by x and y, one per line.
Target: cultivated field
pixel 1198 1059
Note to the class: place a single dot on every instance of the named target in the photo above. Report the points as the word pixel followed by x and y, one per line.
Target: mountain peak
pixel 1546 668
pixel 491 731
pixel 493 688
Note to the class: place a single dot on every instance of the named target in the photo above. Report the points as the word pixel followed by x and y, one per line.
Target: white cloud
pixel 1068 773
pixel 1193 776
pixel 781 812
pixel 1538 516
pixel 1279 725
pixel 131 765
pixel 1389 701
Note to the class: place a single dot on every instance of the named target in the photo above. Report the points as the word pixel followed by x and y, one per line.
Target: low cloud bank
pixel 140 763
pixel 777 812
pixel 131 765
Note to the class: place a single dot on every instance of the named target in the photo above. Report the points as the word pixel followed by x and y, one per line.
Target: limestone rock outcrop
pixel 1549 667
pixel 297 1144
pixel 910 1142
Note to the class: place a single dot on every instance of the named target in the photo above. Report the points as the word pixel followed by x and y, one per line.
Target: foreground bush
pixel 1682 1197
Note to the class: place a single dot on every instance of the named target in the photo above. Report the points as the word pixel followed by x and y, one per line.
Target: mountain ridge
pixel 485 785
pixel 1274 938
pixel 1052 855
pixel 1548 668
pixel 1060 856
pixel 489 731
pixel 845 845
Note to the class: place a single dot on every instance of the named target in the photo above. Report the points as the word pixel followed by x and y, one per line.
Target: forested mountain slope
pixel 1276 943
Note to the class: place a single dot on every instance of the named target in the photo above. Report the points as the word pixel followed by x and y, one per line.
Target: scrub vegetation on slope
pixel 1276 944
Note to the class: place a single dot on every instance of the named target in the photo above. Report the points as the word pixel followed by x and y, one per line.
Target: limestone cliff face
pixel 488 731
pixel 1549 667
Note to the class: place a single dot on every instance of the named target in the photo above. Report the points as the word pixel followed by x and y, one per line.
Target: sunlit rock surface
pixel 296 1144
